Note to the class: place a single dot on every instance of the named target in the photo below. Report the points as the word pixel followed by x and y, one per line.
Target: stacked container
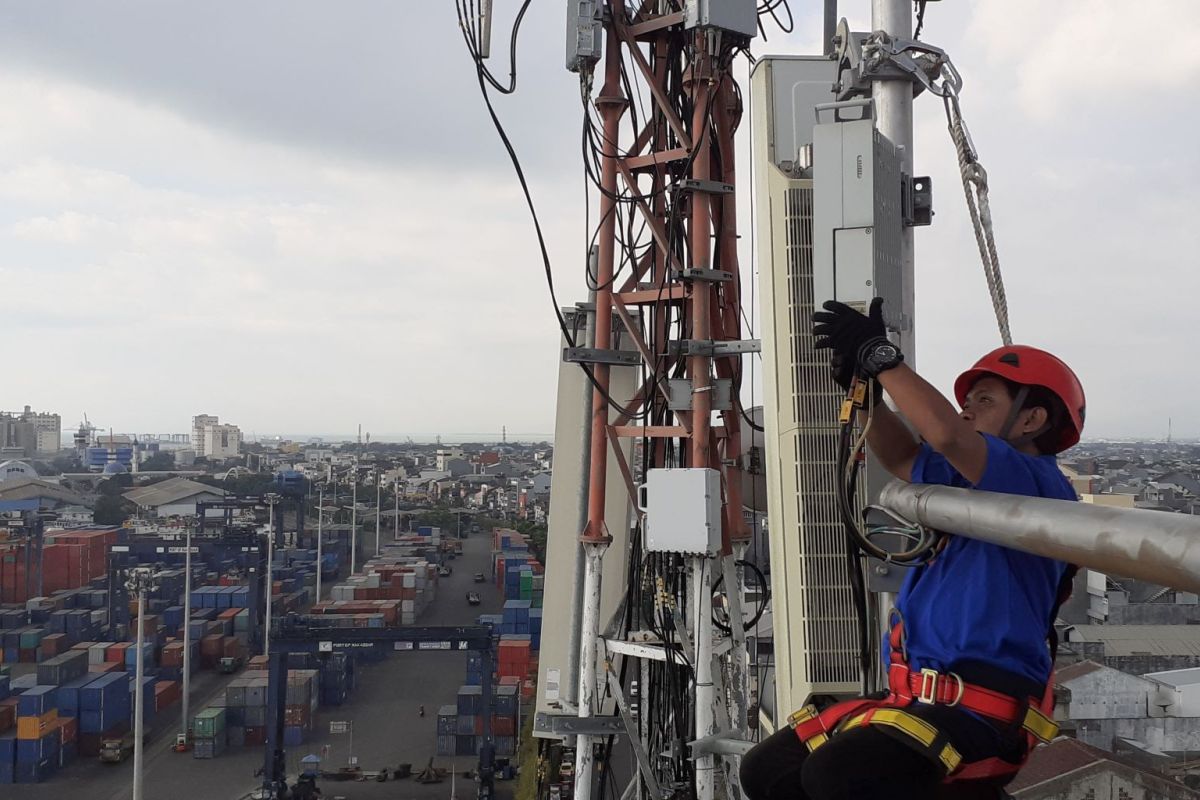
pixel 447 723
pixel 105 708
pixel 208 733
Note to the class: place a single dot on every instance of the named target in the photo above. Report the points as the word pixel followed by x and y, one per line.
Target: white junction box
pixel 683 510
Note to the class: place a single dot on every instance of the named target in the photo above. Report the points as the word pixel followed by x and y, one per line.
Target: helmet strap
pixel 1025 438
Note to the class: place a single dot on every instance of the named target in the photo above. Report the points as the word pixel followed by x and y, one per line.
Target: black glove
pixel 842 329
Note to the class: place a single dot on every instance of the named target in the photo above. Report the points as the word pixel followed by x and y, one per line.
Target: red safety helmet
pixel 1029 366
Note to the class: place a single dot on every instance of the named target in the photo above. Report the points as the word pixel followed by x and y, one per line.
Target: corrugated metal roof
pixel 171 490
pixel 1132 640
pixel 29 488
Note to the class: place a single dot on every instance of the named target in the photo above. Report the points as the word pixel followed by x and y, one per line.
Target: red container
pixel 107 666
pixel 166 693
pixel 501 726
pixel 8 715
pixel 256 737
pixel 116 652
pixel 53 645
pixel 231 647
pixel 69 729
pixel 172 655
pixel 28 655
pixel 297 715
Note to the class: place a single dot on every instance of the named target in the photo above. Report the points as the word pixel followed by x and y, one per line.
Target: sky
pixel 296 215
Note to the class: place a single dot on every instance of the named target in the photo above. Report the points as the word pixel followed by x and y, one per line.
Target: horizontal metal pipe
pixel 1155 546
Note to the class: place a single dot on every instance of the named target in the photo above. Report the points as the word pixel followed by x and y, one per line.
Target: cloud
pixel 1065 58
pixel 297 215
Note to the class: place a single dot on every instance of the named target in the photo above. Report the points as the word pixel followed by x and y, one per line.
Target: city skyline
pixel 236 209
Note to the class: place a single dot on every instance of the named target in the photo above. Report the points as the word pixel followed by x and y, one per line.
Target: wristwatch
pixel 878 355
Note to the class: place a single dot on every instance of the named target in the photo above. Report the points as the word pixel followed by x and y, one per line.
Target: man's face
pixel 987 407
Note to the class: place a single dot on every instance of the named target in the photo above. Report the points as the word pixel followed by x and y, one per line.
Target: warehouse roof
pixel 1131 640
pixel 31 488
pixel 1068 674
pixel 169 491
pixel 1177 677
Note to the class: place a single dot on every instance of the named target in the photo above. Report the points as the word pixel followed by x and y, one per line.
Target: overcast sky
pixel 295 214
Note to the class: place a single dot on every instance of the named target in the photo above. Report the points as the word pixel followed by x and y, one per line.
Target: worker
pixel 968 661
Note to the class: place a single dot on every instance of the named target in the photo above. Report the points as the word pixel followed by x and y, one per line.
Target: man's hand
pixel 844 331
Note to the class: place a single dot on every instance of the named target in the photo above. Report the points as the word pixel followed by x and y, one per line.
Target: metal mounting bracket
pixel 681 394
pixel 712 187
pixel 724 743
pixel 563 725
pixel 698 274
pixel 592 355
pixel 917 200
pixel 698 347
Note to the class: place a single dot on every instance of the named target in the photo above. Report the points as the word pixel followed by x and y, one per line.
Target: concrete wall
pixel 1154 614
pixel 1109 694
pixel 185 508
pixel 1168 734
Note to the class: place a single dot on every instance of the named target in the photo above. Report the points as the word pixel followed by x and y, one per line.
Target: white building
pixel 36 432
pixel 222 442
pixel 318 454
pixel 445 454
pixel 199 423
pixel 16 470
pixel 1179 692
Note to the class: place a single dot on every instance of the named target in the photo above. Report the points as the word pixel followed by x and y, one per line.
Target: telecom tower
pixel 647 527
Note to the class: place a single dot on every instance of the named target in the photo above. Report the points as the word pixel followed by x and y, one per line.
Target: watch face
pixel 885 351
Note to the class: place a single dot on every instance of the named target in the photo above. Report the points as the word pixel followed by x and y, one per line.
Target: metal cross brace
pixel 614 686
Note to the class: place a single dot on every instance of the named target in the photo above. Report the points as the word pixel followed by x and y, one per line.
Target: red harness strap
pixel 930 687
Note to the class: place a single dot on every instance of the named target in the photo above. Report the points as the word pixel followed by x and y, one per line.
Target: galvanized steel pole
pixel 320 536
pixel 138 699
pixel 1154 546
pixel 187 632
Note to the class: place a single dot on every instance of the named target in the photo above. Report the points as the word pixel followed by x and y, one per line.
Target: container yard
pixel 68 690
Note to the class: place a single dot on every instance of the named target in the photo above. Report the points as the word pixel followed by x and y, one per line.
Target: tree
pixel 161 461
pixel 111 510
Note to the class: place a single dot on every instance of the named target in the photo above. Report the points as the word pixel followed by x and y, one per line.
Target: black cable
pixel 919 6
pixel 858 591
pixel 762 605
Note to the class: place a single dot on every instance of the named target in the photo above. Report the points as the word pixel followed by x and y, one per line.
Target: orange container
pixel 36 727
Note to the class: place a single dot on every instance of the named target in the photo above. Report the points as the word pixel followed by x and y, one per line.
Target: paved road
pixel 387 730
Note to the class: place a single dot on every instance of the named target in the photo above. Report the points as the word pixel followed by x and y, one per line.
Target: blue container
pixel 464 724
pixel 5 687
pixel 293 735
pixel 470 698
pixel 68 695
pixel 36 701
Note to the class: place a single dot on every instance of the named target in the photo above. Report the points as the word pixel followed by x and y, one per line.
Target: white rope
pixel 975 187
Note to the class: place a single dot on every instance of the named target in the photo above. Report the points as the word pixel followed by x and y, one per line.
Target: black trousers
pixel 867 763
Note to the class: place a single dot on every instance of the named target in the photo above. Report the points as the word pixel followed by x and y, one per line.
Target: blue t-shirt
pixel 978 601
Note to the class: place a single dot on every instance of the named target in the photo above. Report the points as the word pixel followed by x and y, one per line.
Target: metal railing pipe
pixel 1155 546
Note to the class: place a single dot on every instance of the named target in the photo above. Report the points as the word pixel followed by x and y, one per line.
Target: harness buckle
pixel 928 692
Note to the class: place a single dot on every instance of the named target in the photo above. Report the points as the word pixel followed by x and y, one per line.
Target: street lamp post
pixel 271 499
pixel 378 498
pixel 320 519
pixel 187 633
pixel 354 519
pixel 396 519
pixel 139 580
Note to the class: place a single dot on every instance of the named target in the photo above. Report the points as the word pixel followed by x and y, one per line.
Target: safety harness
pixel 1031 716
